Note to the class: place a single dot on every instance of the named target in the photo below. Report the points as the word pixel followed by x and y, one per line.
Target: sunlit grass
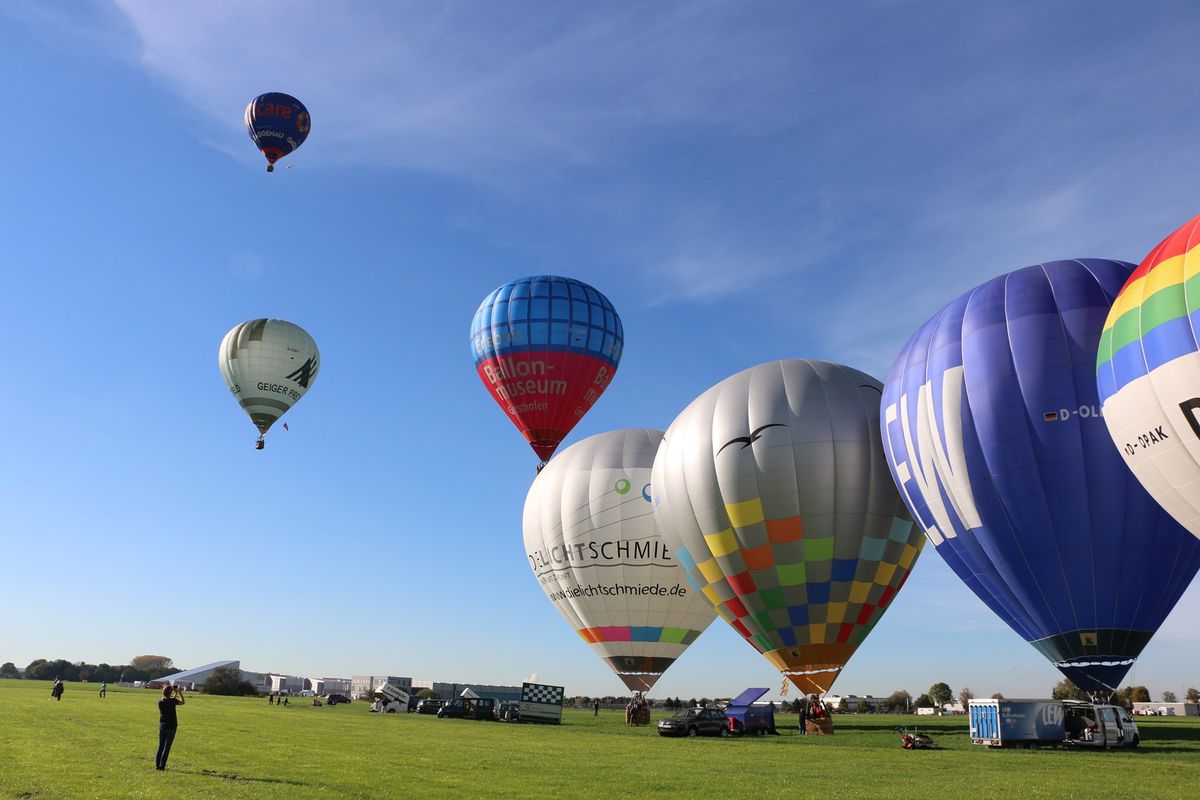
pixel 85 747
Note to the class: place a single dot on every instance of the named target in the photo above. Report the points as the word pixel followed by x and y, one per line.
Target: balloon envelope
pixel 773 491
pixel 993 432
pixel 278 123
pixel 268 365
pixel 1148 372
pixel 546 348
pixel 591 542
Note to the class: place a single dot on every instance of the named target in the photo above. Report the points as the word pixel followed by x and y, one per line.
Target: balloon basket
pixel 259 444
pixel 818 727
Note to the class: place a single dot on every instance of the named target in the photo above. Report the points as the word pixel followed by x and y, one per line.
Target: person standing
pixel 57 690
pixel 803 716
pixel 596 709
pixel 103 688
pixel 167 723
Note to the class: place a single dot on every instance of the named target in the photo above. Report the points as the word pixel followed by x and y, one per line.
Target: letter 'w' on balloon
pixel 268 365
pixel 278 124
pixel 592 545
pixel 773 491
pixel 546 348
pixel 992 430
pixel 1148 372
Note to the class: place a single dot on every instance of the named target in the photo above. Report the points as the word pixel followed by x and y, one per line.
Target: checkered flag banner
pixel 541 693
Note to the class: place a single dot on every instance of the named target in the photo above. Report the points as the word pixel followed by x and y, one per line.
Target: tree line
pixel 139 668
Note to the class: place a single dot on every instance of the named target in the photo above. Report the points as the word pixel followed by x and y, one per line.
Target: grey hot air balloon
pixel 773 491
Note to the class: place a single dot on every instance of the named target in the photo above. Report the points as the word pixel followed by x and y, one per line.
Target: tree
pixel 1139 694
pixel 1169 697
pixel 153 666
pixel 228 681
pixel 1066 690
pixel 797 706
pixel 898 700
pixel 940 694
pixel 1192 696
pixel 997 696
pixel 843 707
pixel 428 694
pixel 965 697
pixel 923 701
pixel 9 670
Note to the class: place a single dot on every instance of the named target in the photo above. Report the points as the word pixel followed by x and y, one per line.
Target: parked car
pixel 429 706
pixel 695 722
pixel 469 708
pixel 334 699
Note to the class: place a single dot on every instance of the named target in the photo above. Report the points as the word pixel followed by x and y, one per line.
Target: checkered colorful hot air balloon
pixel 773 491
pixel 1148 371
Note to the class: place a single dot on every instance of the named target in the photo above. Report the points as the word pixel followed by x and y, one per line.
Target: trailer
pixel 1034 723
pixel 746 718
pixel 395 698
pixel 540 702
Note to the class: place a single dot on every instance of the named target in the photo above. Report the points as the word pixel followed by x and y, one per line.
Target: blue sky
pixel 745 181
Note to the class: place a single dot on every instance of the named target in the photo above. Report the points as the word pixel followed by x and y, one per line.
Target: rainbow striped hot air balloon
pixel 1148 373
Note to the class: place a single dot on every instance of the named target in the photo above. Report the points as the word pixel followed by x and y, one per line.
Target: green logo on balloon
pixel 622 486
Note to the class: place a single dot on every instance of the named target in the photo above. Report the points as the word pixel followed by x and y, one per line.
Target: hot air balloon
pixel 993 433
pixel 268 364
pixel 1149 374
pixel 278 123
pixel 546 348
pixel 772 489
pixel 591 542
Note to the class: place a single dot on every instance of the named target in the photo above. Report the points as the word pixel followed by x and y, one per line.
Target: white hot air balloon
pixel 591 543
pixel 268 364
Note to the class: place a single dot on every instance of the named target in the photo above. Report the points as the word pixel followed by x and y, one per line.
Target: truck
pixel 1037 722
pixel 395 699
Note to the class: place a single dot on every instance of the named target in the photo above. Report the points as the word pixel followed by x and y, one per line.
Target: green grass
pixel 85 747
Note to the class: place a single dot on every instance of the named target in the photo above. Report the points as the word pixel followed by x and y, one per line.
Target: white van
pixel 1092 725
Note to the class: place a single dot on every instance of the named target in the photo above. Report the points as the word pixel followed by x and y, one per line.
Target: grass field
pixel 85 747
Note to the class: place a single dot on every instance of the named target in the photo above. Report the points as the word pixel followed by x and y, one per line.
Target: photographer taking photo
pixel 167 723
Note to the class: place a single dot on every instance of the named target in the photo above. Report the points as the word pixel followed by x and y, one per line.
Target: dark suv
pixel 695 722
pixel 429 706
pixel 334 699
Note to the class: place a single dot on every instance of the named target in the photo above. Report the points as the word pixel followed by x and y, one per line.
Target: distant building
pixel 288 684
pixel 193 679
pixel 325 686
pixel 854 703
pixel 361 686
pixel 1168 709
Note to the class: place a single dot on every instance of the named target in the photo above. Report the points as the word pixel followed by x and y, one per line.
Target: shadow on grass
pixel 229 776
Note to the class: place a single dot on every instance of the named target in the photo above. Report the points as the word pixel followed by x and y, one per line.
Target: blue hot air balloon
pixel 278 123
pixel 992 430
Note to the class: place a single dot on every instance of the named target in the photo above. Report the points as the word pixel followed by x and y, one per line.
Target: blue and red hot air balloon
pixel 278 123
pixel 546 348
pixel 992 427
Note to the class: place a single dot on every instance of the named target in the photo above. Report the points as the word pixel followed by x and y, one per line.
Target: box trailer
pixel 540 702
pixel 1032 723
pixel 1007 723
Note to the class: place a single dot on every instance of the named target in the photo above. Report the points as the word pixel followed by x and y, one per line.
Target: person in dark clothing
pixel 596 709
pixel 803 715
pixel 57 690
pixel 167 723
pixel 270 699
